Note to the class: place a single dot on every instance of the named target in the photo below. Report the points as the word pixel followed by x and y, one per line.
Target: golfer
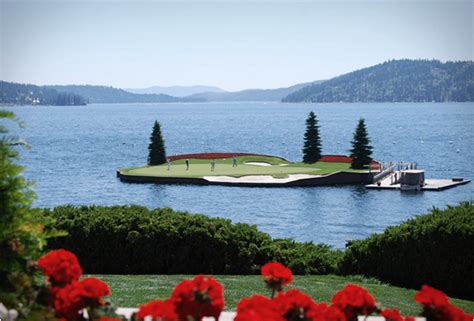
pixel 213 165
pixel 234 161
pixel 168 163
pixel 187 163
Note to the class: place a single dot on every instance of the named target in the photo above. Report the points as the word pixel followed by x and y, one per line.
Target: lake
pixel 76 151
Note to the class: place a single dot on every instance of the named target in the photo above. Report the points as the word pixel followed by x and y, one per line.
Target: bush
pixel 434 249
pixel 136 240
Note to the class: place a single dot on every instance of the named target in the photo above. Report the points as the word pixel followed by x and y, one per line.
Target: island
pixel 252 170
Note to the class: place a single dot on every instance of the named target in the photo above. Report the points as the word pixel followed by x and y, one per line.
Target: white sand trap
pixel 257 163
pixel 259 178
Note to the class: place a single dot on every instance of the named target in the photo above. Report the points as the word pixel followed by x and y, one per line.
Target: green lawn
pixel 133 290
pixel 202 167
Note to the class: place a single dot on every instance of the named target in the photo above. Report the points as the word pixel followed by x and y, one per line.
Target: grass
pixel 202 167
pixel 133 290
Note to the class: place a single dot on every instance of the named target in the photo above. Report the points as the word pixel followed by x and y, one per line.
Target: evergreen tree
pixel 361 150
pixel 157 153
pixel 312 141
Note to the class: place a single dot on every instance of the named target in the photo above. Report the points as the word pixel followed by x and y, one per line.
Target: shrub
pixel 136 240
pixel 434 249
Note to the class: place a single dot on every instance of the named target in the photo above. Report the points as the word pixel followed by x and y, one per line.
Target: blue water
pixel 76 151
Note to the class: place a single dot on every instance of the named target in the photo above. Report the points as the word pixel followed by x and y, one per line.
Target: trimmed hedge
pixel 435 249
pixel 136 240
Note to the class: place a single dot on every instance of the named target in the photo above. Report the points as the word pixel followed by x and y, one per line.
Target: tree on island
pixel 157 153
pixel 312 140
pixel 361 150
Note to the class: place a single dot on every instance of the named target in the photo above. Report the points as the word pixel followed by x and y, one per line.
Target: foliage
pixel 157 152
pixel 433 249
pixel 22 233
pixel 312 140
pixel 136 240
pixel 361 150
pixel 19 94
pixel 396 81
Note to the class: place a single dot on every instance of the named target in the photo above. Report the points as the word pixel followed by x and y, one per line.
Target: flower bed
pixel 211 155
pixel 72 299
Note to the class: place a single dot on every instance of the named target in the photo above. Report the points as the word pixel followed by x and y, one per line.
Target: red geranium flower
pixel 93 291
pixel 436 306
pixel 164 310
pixel 70 299
pixel 198 298
pixel 430 297
pixel 354 300
pixel 67 301
pixel 276 275
pixel 391 315
pixel 324 312
pixel 61 266
pixel 295 305
pixel 257 308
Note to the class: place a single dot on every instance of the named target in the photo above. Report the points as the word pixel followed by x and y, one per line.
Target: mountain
pixel 251 94
pixel 177 91
pixel 26 94
pixel 396 81
pixel 105 95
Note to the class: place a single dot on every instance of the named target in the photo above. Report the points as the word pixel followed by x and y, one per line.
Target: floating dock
pixel 412 180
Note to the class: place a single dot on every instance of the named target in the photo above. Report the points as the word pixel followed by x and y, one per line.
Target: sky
pixel 230 44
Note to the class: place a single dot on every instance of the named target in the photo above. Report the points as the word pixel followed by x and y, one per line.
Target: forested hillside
pixel 104 95
pixel 21 94
pixel 396 81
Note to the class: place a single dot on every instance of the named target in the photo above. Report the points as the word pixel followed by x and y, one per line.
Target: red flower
pixel 323 312
pixel 354 300
pixel 165 310
pixel 276 275
pixel 430 297
pixel 436 306
pixel 257 308
pixel 391 315
pixel 295 305
pixel 198 298
pixel 93 291
pixel 61 266
pixel 67 300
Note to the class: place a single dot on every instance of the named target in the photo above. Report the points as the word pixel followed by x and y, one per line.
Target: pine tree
pixel 312 140
pixel 157 153
pixel 361 150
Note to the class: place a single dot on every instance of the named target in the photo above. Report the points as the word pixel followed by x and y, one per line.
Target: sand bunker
pixel 259 178
pixel 257 163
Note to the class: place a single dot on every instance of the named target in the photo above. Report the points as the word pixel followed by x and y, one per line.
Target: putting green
pixel 199 168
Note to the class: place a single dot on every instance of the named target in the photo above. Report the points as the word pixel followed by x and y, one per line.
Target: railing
pixel 386 172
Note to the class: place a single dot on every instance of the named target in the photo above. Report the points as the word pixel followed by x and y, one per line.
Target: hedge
pixel 136 240
pixel 435 249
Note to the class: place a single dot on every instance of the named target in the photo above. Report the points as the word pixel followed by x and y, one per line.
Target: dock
pixel 412 179
pixel 430 185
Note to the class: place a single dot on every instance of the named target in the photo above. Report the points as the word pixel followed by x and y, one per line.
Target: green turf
pixel 202 167
pixel 133 290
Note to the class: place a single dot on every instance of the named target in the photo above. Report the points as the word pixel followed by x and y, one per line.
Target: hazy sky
pixel 233 45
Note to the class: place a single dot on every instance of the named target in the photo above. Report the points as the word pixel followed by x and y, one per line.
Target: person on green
pixel 234 161
pixel 213 165
pixel 187 163
pixel 168 163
